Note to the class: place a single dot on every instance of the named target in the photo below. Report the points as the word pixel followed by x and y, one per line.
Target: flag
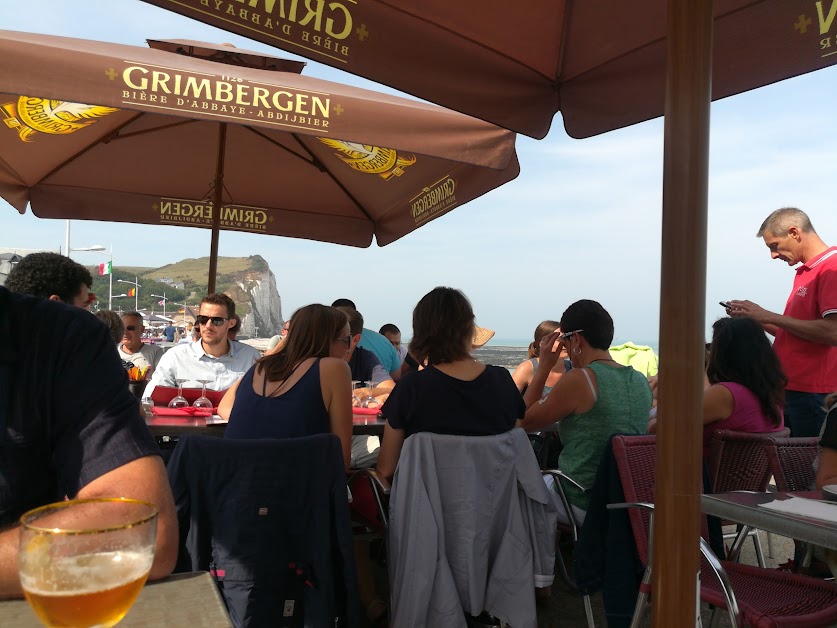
pixel 105 269
pixel 161 302
pixel 132 292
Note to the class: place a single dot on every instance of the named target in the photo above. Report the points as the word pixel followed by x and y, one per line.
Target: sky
pixel 583 219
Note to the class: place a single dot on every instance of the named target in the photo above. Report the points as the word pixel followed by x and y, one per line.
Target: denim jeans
pixel 804 413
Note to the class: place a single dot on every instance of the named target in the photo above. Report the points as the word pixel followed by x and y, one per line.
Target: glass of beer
pixel 83 562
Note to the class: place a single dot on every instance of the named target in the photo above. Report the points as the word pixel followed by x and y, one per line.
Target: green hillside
pixel 193 273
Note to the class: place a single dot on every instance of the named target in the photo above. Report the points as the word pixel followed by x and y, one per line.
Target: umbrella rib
pixel 164 127
pixel 336 181
pixel 647 44
pixel 88 147
pixel 313 162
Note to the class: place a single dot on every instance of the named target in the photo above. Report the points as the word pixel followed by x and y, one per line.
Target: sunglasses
pixel 130 327
pixel 215 320
pixel 347 340
pixel 569 334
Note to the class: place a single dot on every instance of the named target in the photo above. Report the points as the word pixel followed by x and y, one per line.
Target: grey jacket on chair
pixel 472 529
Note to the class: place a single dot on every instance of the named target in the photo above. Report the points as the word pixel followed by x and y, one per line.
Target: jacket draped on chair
pixel 249 509
pixel 472 529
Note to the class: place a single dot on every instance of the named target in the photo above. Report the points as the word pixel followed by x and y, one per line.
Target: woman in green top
pixel 595 400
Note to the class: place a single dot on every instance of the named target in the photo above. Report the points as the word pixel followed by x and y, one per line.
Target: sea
pixel 510 353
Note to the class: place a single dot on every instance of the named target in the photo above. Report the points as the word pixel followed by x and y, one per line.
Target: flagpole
pixel 136 294
pixel 110 288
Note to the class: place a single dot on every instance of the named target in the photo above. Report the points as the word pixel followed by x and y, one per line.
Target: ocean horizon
pixel 509 352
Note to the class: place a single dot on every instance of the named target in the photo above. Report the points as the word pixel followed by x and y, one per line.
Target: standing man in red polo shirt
pixel 806 334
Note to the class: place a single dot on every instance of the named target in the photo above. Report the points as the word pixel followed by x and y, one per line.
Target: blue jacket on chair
pixel 270 518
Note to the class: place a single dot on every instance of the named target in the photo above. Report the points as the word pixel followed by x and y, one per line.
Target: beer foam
pixel 88 573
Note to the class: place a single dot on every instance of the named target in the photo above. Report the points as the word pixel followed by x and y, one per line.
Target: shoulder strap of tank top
pixel 590 383
pixel 287 377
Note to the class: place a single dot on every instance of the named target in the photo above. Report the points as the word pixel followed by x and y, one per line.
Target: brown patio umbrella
pixel 600 62
pixel 604 64
pixel 103 131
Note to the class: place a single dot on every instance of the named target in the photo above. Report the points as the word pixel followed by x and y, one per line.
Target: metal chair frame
pixel 572 527
pixel 638 486
pixel 746 469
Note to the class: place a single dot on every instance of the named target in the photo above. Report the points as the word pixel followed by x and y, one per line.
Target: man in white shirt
pixel 214 358
pixel 132 349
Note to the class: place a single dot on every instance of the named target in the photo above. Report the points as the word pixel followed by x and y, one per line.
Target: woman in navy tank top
pixel 303 389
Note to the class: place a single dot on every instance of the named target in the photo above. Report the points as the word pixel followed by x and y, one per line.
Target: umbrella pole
pixel 682 312
pixel 217 199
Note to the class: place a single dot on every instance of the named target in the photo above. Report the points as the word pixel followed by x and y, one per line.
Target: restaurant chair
pixel 753 596
pixel 791 461
pixel 738 462
pixel 269 518
pixel 471 531
pixel 570 529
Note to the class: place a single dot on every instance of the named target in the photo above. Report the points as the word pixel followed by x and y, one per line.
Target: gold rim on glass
pixel 66 504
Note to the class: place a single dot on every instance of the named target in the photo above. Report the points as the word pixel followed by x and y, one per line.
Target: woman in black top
pixel 454 393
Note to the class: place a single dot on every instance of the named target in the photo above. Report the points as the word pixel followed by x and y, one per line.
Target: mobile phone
pixel 726 304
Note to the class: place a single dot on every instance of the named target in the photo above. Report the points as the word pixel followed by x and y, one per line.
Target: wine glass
pixel 356 399
pixel 179 401
pixel 369 401
pixel 203 401
pixel 83 562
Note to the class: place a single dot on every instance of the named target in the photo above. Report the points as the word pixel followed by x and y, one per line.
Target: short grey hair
pixel 778 223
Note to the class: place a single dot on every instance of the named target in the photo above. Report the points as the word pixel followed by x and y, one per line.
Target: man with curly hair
pixel 52 276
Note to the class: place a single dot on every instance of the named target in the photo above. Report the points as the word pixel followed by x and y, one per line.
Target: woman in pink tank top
pixel 747 385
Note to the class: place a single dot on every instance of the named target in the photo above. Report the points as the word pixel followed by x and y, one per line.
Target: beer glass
pixel 83 562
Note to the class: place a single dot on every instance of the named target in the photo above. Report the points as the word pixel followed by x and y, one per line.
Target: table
pixel 743 507
pixel 167 430
pixel 189 599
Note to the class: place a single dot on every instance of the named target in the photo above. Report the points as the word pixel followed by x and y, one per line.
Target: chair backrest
pixel 467 513
pixel 791 461
pixel 249 509
pixel 161 395
pixel 636 460
pixel 738 461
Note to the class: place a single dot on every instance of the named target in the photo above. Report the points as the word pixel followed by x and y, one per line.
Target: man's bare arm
pixel 9 580
pixel 821 330
pixel 144 479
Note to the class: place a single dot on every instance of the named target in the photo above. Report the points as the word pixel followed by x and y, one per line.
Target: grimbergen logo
pixel 225 96
pixel 30 115
pixel 324 28
pixel 191 213
pixel 385 162
pixel 435 198
pixel 820 24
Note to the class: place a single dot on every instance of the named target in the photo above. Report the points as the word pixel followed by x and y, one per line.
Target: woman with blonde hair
pixel 525 371
pixel 303 389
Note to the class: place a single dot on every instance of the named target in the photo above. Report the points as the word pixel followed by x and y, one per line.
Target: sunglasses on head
pixel 215 320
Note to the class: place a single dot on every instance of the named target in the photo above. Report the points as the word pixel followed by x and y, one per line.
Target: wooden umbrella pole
pixel 217 200
pixel 682 320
